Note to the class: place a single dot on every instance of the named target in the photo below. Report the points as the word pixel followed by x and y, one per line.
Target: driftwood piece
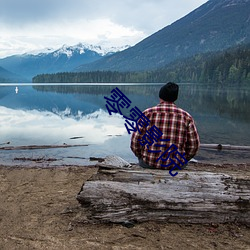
pixel 113 161
pixel 37 160
pixel 120 195
pixel 29 147
pixel 224 147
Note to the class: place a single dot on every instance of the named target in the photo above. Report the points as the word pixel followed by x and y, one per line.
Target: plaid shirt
pixel 176 125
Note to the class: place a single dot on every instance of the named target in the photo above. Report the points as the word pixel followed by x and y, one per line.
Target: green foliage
pixel 91 77
pixel 231 66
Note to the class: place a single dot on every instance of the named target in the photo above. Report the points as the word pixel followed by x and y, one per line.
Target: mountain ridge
pixel 9 77
pixel 228 67
pixel 65 58
pixel 214 26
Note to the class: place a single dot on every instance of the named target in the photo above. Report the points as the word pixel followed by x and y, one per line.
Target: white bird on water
pixel 16 90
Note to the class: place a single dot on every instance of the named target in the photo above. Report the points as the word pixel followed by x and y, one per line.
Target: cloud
pixel 37 23
pixel 22 12
pixel 35 127
pixel 142 14
pixel 38 36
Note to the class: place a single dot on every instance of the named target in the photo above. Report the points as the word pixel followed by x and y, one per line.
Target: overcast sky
pixel 27 25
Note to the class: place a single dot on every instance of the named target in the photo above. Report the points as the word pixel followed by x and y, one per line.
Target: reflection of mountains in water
pixel 78 114
pixel 195 98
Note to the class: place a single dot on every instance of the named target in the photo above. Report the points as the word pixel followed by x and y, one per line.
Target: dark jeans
pixel 145 165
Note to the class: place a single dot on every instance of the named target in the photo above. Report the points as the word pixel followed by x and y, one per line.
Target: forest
pixel 231 66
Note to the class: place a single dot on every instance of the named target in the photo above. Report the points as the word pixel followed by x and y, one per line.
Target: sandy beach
pixel 38 210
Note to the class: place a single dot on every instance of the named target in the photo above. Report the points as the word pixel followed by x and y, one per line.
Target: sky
pixel 32 25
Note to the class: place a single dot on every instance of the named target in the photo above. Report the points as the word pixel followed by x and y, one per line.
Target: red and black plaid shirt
pixel 176 125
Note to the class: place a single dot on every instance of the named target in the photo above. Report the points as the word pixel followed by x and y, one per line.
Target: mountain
pixel 214 26
pixel 227 67
pixel 63 59
pixel 7 76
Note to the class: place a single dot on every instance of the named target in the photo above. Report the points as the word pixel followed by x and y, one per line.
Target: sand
pixel 38 210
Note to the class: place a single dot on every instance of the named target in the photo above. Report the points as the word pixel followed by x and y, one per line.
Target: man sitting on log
pixel 171 138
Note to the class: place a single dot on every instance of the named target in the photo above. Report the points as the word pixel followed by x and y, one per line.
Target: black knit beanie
pixel 169 92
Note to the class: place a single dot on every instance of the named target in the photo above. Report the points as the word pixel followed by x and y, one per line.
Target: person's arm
pixel 135 144
pixel 193 141
pixel 137 136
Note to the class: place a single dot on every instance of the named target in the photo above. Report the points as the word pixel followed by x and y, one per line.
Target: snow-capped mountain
pixel 49 60
pixel 81 48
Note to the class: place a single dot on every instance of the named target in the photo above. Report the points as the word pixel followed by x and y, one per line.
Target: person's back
pixel 171 136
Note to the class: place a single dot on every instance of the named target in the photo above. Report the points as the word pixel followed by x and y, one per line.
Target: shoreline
pixel 39 210
pixel 234 166
pixel 57 157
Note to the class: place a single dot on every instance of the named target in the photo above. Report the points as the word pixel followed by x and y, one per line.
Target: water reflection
pixel 52 114
pixel 29 127
pixel 225 101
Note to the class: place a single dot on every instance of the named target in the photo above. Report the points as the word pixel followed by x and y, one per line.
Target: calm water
pixel 76 114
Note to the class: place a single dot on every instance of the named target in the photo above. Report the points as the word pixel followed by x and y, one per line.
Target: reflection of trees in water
pixel 141 96
pixel 195 98
pixel 99 89
pixel 231 102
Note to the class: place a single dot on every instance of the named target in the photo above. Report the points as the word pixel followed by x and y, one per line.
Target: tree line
pixel 231 66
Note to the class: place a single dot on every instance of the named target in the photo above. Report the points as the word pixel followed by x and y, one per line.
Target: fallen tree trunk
pixel 224 147
pixel 119 195
pixel 29 147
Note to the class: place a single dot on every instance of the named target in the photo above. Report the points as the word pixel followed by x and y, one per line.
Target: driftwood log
pixel 30 147
pixel 118 195
pixel 224 147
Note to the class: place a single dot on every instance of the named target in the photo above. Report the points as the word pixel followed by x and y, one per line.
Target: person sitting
pixel 171 139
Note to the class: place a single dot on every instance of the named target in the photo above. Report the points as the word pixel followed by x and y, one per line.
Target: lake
pixel 75 114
